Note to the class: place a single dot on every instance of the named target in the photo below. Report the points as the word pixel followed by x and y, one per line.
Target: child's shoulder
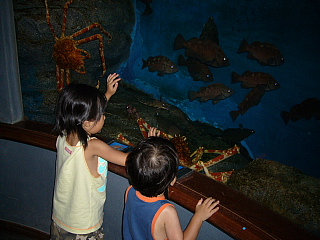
pixel 95 142
pixel 168 216
pixel 169 210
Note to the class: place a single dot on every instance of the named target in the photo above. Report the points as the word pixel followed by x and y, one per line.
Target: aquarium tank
pixel 291 28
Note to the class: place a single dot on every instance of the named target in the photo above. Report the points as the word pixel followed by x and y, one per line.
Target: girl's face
pixel 97 126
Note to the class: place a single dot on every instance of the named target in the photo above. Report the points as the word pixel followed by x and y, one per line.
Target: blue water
pixel 293 26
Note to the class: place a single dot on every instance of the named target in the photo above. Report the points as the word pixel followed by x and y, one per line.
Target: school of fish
pixel 204 52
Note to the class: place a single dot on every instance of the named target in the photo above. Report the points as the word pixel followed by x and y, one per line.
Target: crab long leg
pixel 60 78
pixel 144 127
pixel 97 36
pixel 216 151
pixel 101 49
pixel 65 13
pixel 124 139
pixel 227 153
pixel 93 25
pixel 220 176
pixel 48 17
pixel 198 154
pixel 68 76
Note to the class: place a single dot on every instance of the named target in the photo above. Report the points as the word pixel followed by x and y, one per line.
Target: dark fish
pixel 253 98
pixel 265 53
pixel 252 79
pixel 160 64
pixel 156 104
pixel 168 126
pixel 198 70
pixel 148 10
pixel 214 92
pixel 307 109
pixel 205 50
pixel 235 135
pixel 132 112
pixel 210 31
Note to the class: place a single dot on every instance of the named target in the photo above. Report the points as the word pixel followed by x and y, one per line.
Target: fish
pixel 210 31
pixel 168 126
pixel 160 64
pixel 132 112
pixel 214 92
pixel 307 109
pixel 236 135
pixel 252 79
pixel 156 104
pixel 198 70
pixel 266 53
pixel 205 50
pixel 252 99
pixel 148 10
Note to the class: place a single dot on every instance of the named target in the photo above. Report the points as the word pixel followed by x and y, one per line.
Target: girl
pixel 81 167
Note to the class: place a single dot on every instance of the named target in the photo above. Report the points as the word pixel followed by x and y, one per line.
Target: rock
pixel 35 40
pixel 282 188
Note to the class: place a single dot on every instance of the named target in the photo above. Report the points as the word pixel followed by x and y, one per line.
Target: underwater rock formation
pixel 35 40
pixel 282 188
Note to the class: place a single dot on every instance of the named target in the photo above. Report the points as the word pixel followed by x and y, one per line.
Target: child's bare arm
pixel 101 149
pixel 204 210
pixel 112 84
pixel 170 220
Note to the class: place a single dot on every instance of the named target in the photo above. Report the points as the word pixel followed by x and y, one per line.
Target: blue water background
pixel 293 26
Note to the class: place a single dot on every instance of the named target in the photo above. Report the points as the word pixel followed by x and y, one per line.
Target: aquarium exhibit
pixel 235 79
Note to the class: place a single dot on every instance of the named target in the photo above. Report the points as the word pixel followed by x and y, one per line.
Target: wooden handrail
pixel 239 216
pixel 19 230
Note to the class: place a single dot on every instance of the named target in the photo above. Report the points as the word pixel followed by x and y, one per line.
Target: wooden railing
pixel 239 216
pixel 18 231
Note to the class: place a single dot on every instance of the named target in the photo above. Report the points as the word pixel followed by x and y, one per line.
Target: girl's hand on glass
pixel 112 84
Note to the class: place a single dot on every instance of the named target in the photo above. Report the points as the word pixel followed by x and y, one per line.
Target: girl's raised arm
pixel 112 84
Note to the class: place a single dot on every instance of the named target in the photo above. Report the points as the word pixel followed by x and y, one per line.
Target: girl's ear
pixel 87 125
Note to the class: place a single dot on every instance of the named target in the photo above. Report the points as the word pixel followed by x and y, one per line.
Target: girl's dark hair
pixel 78 103
pixel 152 166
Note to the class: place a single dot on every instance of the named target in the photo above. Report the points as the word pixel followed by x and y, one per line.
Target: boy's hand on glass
pixel 153 132
pixel 112 84
pixel 205 208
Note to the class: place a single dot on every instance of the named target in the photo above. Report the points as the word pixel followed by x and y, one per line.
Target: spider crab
pixel 67 55
pixel 186 158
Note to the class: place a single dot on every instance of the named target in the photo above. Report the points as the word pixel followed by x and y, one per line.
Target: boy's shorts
pixel 57 233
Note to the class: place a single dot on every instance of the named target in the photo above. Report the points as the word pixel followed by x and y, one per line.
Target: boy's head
pixel 152 166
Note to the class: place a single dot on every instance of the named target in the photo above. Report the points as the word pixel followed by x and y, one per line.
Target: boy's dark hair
pixel 78 103
pixel 152 166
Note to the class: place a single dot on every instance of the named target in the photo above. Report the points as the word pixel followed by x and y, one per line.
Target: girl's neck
pixel 72 139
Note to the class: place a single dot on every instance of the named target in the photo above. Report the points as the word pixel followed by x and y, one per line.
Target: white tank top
pixel 79 197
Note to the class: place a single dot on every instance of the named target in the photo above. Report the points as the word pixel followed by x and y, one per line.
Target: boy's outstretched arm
pixel 204 210
pixel 170 219
pixel 112 84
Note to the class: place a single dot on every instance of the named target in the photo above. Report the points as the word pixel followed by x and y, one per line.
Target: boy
pixel 151 167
